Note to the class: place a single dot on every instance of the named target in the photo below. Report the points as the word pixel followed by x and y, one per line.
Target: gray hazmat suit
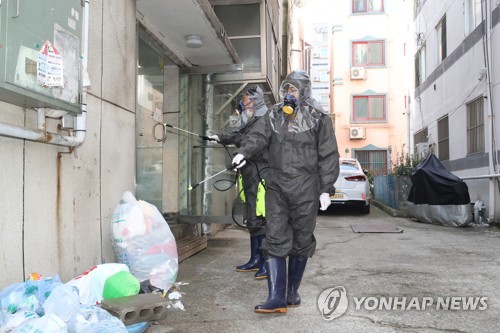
pixel 303 163
pixel 256 167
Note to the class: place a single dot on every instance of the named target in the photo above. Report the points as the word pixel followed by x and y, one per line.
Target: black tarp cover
pixel 432 184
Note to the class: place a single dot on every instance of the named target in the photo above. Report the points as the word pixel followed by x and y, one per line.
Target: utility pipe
pixel 497 175
pixel 40 134
pixel 41 119
pixel 206 228
pixel 491 119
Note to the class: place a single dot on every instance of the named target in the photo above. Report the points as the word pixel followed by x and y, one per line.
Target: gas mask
pixel 241 107
pixel 289 104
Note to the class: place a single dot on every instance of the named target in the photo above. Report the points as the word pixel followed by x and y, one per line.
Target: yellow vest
pixel 260 204
pixel 240 189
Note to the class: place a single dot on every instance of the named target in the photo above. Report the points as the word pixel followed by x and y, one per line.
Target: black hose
pixel 233 182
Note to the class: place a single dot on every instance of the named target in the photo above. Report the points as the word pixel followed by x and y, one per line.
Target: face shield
pixel 294 109
pixel 251 104
pixel 246 108
pixel 289 88
pixel 256 95
pixel 298 84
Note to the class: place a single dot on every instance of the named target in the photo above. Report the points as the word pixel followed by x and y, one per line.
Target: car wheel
pixel 366 209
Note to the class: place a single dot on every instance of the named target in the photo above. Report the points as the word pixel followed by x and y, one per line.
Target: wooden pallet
pixel 189 246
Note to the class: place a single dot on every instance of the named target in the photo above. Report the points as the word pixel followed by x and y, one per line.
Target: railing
pixel 391 190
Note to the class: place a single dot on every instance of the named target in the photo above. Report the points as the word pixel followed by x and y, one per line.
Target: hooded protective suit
pixel 256 168
pixel 303 163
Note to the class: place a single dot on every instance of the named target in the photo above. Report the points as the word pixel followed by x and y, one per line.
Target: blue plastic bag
pixel 138 328
pixel 28 296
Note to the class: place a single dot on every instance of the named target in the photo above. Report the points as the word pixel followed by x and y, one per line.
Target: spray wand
pixel 164 132
pixel 232 166
pixel 204 137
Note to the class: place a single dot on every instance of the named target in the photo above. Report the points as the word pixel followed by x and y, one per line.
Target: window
pixel 443 139
pixel 475 126
pixel 473 15
pixel 441 39
pixel 420 66
pixel 323 52
pixel 368 53
pixel 246 37
pixel 375 161
pixel 369 108
pixel 324 76
pixel 420 136
pixel 367 6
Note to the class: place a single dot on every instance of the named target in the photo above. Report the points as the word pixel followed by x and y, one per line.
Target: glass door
pixel 150 88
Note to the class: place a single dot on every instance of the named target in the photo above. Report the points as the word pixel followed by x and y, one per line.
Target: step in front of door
pixel 189 246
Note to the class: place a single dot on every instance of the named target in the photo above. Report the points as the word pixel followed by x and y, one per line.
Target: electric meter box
pixel 40 53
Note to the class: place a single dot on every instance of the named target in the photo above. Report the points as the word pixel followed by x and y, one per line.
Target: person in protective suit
pixel 251 107
pixel 303 166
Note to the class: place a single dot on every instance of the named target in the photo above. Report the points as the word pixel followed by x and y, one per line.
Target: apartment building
pixel 75 136
pixel 457 91
pixel 358 54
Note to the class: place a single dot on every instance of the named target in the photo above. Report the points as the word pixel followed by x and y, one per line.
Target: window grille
pixel 443 139
pixel 375 161
pixel 475 126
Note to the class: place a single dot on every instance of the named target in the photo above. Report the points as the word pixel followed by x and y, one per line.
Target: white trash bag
pixel 144 242
pixel 90 284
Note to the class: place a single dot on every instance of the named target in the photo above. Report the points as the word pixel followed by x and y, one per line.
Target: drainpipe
pixel 206 228
pixel 491 118
pixel 40 134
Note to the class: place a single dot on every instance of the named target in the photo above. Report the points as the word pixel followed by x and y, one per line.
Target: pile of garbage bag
pixel 48 305
pixel 146 252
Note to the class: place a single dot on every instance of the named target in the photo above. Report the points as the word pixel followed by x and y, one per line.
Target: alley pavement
pixel 428 278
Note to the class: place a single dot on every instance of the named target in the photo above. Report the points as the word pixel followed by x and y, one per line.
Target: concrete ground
pixel 426 264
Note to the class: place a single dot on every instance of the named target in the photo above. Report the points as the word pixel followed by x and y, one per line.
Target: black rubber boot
pixel 276 282
pixel 253 264
pixel 262 272
pixel 296 267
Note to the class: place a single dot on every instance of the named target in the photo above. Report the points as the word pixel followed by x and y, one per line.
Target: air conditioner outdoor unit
pixel 422 149
pixel 358 73
pixel 357 133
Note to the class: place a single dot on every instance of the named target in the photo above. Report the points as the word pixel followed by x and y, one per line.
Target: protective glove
pixel 239 161
pixel 214 137
pixel 210 138
pixel 324 200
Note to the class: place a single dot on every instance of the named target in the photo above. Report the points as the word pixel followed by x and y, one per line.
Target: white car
pixel 352 187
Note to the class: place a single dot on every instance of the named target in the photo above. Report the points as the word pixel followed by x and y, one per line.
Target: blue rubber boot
pixel 253 264
pixel 262 272
pixel 296 267
pixel 276 282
